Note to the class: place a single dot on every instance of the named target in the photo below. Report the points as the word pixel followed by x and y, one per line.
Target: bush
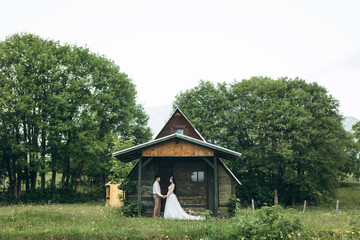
pixel 265 223
pixel 234 203
pixel 128 186
pixel 130 209
pixel 59 195
pixel 207 214
pixel 268 223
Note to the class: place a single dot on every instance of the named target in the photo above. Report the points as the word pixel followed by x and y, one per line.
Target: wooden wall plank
pixel 225 187
pixel 189 192
pixel 177 120
pixel 177 149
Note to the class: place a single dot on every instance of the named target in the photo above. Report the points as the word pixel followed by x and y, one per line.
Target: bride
pixel 173 210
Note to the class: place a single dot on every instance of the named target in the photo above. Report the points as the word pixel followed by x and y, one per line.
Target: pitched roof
pixel 220 161
pixel 169 124
pixel 133 153
pixel 191 135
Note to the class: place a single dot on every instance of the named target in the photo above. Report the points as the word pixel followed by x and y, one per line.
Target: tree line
pixel 62 110
pixel 290 134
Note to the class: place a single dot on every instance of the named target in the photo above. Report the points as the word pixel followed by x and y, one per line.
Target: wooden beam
pixel 146 162
pixel 208 162
pixel 139 186
pixel 216 180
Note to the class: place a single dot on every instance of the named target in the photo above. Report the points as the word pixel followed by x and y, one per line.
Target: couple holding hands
pixel 173 209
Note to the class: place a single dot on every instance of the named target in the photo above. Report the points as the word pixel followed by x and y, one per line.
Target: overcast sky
pixel 168 46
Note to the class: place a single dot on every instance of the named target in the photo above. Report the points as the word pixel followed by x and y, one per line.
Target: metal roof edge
pixel 143 145
pixel 180 136
pixel 166 123
pixel 178 109
pixel 229 171
pixel 209 145
pixel 132 169
pixel 191 124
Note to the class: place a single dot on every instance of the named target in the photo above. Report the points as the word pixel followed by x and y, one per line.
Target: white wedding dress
pixel 173 209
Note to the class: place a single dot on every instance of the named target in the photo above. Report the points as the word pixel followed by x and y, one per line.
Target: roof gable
pixel 134 152
pixel 179 121
pixel 177 148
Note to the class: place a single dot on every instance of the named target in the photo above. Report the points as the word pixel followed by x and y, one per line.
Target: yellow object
pixel 112 195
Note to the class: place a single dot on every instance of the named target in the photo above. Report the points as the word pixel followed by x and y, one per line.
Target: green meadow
pixel 94 221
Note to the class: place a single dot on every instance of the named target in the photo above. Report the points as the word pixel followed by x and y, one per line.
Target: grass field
pixel 94 221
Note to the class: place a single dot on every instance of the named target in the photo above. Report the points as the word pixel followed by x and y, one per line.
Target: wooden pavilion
pixel 203 181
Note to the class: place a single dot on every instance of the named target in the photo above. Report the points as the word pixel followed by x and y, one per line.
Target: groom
pixel 157 196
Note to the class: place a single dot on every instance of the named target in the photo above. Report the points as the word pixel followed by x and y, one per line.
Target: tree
pixel 288 131
pixel 119 170
pixel 61 106
pixel 206 105
pixel 354 152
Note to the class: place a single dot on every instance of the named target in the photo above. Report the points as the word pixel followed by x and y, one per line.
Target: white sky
pixel 168 46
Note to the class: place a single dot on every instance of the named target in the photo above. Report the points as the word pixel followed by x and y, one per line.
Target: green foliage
pixel 50 196
pixel 266 223
pixel 269 223
pixel 130 209
pixel 289 132
pixel 234 204
pixel 63 109
pixel 356 129
pixel 348 193
pixel 128 186
pixel 355 164
pixel 119 170
pixel 94 221
pixel 205 105
pixel 207 214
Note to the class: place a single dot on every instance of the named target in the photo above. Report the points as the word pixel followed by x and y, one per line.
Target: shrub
pixel 268 223
pixel 59 195
pixel 234 203
pixel 130 209
pixel 207 214
pixel 128 186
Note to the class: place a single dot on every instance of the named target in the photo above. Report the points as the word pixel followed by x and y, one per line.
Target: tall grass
pixel 94 221
pixel 84 221
pixel 349 194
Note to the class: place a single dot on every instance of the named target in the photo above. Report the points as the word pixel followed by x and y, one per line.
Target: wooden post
pixel 276 197
pixel 139 186
pixel 3 183
pixel 216 193
pixel 253 204
pixel 304 206
pixel 337 207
